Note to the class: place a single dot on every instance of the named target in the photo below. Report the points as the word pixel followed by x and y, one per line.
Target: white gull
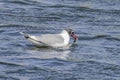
pixel 53 40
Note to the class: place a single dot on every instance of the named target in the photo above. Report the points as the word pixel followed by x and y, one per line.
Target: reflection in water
pixel 49 53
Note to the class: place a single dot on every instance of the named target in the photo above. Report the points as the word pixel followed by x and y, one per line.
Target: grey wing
pixel 50 39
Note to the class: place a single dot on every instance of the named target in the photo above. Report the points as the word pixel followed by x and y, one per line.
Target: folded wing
pixel 49 39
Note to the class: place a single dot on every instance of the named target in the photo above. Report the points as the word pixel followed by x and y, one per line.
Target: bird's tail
pixel 25 35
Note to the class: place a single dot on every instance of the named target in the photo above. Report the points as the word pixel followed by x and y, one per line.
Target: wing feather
pixel 49 39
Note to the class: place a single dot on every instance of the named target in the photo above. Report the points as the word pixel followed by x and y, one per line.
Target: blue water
pixel 96 56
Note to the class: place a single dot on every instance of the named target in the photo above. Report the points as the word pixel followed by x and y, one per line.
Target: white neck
pixel 65 36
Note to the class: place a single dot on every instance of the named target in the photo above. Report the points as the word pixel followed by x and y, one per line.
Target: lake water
pixel 96 56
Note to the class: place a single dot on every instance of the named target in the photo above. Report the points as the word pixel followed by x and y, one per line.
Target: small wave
pixel 112 38
pixel 92 37
pixel 3 77
pixel 10 25
pixel 9 64
pixel 22 2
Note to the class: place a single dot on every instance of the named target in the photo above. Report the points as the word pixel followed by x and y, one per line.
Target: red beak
pixel 75 37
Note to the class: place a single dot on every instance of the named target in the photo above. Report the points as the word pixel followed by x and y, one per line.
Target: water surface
pixel 95 56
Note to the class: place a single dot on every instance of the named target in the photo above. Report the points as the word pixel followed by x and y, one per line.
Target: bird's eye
pixel 72 32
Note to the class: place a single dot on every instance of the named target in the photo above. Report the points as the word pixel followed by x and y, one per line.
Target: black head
pixel 70 31
pixel 72 34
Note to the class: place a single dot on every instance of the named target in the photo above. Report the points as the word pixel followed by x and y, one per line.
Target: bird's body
pixel 54 40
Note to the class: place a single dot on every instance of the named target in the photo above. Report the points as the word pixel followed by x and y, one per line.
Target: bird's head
pixel 72 34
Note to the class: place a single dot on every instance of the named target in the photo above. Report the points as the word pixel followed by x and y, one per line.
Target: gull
pixel 52 40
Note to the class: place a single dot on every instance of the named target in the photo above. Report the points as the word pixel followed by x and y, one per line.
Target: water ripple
pixel 95 56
